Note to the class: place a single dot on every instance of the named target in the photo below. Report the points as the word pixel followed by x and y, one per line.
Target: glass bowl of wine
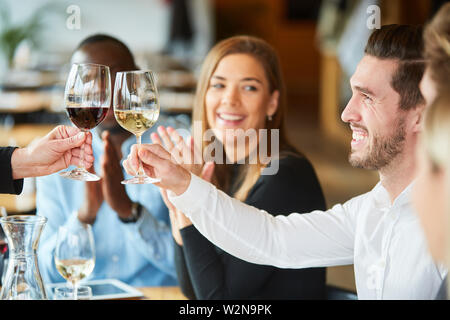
pixel 136 108
pixel 87 98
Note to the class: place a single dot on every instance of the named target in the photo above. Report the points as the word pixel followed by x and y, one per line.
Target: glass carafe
pixel 23 280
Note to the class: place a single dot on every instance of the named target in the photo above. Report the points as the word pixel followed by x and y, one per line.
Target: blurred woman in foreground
pixel 432 187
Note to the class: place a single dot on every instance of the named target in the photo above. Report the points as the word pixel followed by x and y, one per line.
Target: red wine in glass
pixel 86 118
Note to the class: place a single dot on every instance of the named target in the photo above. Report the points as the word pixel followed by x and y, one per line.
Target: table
pixel 162 293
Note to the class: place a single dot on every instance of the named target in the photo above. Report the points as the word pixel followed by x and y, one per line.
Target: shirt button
pixel 115 258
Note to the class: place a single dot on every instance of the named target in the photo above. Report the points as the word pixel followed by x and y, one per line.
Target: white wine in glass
pixel 75 253
pixel 136 108
pixel 74 270
pixel 136 121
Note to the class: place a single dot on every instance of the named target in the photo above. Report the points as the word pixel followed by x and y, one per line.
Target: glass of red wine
pixel 87 97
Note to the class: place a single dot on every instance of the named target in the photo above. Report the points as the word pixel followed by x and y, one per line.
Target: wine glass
pixel 87 97
pixel 136 108
pixel 75 253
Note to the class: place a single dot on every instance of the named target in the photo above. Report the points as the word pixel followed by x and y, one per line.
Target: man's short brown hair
pixel 403 43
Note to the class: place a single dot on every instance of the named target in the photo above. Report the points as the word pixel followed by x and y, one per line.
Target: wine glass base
pixel 80 175
pixel 141 180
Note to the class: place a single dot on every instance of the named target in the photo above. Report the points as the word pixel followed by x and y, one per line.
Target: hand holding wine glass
pixel 59 149
pixel 157 162
pixel 136 108
pixel 87 97
pixel 75 253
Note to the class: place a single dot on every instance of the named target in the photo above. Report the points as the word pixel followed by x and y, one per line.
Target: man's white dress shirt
pixel 383 240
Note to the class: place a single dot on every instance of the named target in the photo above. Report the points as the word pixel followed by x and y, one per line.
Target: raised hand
pixel 93 199
pixel 182 153
pixel 177 218
pixel 114 192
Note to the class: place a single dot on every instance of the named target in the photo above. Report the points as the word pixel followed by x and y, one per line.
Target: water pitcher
pixel 23 280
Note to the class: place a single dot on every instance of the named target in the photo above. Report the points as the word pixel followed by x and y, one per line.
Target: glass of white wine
pixel 136 108
pixel 75 253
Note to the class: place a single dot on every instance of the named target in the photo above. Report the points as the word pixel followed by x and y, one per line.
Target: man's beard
pixel 383 150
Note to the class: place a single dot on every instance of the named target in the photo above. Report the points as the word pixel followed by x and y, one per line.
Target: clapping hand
pixel 113 191
pixel 184 154
pixel 177 219
pixel 108 188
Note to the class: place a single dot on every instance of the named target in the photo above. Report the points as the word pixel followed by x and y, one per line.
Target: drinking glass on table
pixel 136 108
pixel 87 97
pixel 68 293
pixel 75 253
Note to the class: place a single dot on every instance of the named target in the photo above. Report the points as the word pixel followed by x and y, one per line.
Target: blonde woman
pixel 432 188
pixel 241 87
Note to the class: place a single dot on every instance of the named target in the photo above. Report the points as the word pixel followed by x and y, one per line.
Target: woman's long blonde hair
pixel 267 57
pixel 436 133
pixel 437 119
pixel 437 48
pixel 436 145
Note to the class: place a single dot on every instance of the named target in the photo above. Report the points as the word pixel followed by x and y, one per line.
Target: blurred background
pixel 319 44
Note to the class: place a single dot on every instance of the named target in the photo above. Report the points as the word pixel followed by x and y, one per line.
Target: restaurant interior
pixel 317 45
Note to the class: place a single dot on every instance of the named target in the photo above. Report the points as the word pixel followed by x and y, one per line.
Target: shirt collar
pixel 383 196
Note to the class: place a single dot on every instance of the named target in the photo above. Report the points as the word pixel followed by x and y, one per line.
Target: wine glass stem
pixel 140 172
pixel 75 290
pixel 81 165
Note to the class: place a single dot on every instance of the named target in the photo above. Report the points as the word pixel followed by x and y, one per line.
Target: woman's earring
pixel 269 118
